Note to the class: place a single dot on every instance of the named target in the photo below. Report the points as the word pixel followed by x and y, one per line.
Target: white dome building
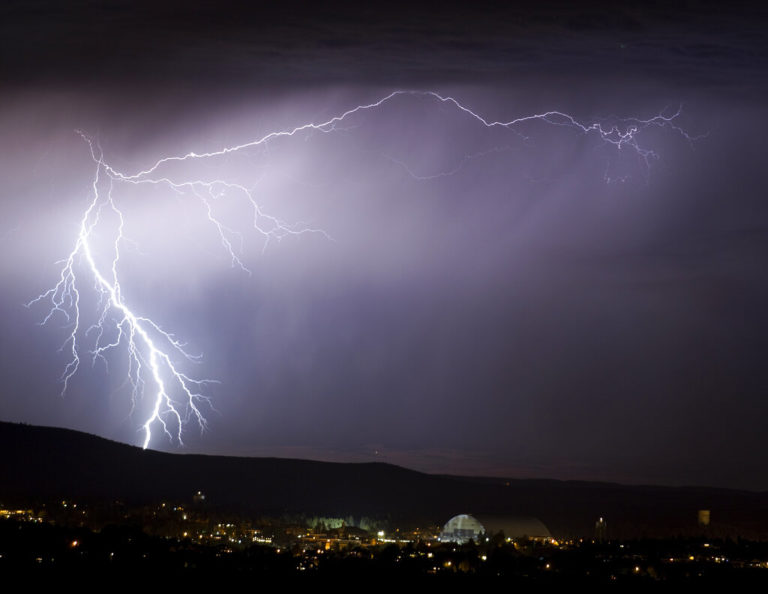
pixel 461 529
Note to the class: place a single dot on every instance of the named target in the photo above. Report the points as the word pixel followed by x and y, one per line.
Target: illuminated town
pixel 193 539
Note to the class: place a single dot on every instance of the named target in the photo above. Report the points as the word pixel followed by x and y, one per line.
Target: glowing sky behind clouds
pixel 520 316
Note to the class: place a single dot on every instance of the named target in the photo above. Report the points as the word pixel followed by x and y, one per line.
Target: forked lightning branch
pixel 157 363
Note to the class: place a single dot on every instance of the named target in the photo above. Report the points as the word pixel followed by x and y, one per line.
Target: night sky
pixel 527 302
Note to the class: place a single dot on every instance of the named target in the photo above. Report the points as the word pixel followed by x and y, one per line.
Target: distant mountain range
pixel 42 463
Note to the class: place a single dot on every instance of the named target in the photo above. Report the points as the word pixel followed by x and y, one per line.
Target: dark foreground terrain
pixel 124 553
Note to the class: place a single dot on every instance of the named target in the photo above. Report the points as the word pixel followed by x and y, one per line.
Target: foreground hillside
pixel 40 463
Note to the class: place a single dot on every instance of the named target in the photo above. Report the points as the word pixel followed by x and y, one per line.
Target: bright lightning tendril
pixel 154 356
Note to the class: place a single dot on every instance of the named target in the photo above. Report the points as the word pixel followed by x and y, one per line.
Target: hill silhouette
pixel 42 463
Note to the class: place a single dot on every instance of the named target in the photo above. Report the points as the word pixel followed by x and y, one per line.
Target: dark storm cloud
pixel 343 42
pixel 521 316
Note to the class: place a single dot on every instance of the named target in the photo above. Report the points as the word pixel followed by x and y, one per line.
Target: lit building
pixel 601 530
pixel 463 528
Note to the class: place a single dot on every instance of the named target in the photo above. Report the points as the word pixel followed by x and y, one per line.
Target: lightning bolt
pixel 155 358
